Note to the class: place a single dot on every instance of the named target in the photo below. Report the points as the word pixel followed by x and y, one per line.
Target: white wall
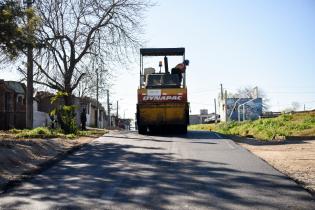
pixel 40 119
pixel 35 105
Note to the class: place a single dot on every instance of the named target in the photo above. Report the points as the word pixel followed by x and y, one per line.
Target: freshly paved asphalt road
pixel 131 171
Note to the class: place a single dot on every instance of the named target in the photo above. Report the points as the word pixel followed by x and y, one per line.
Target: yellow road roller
pixel 162 94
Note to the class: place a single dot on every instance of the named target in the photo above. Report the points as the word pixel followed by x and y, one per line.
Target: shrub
pixel 309 120
pixel 65 115
pixel 66 118
pixel 286 117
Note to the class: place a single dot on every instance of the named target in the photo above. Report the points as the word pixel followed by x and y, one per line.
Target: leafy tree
pixel 15 33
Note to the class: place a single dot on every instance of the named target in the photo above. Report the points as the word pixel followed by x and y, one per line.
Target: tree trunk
pixel 68 99
pixel 67 83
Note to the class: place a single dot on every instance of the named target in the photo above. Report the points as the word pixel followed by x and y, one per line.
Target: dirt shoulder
pixel 20 158
pixel 294 157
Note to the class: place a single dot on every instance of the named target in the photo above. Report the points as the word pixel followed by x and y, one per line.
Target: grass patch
pixel 40 132
pixel 44 132
pixel 300 124
pixel 93 132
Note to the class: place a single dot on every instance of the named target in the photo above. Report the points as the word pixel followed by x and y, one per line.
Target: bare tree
pixel 70 30
pixel 248 92
pixel 87 86
pixel 295 105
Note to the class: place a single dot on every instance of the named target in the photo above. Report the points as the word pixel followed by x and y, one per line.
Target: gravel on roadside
pixel 22 158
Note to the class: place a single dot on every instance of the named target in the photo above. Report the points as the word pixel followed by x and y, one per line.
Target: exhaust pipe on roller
pixel 166 65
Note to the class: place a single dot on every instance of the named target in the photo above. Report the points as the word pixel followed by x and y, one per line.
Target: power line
pixel 301 92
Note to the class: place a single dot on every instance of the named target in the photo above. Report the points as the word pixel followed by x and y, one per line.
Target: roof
pixel 162 51
pixel 86 100
pixel 15 86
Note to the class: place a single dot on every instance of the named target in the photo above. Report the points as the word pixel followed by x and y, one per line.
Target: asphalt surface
pixel 129 171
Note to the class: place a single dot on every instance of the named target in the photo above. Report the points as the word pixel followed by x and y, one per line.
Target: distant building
pixel 90 105
pixel 250 108
pixel 124 124
pixel 13 108
pixel 12 105
pixel 202 118
pixel 203 111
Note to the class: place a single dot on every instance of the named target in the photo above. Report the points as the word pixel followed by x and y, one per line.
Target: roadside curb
pixel 40 168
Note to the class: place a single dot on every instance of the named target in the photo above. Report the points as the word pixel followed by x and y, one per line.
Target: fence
pixel 9 120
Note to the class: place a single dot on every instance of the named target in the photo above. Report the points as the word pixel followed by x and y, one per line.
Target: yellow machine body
pixel 165 107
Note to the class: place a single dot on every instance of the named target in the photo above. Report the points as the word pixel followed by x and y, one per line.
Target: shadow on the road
pixel 192 135
pixel 292 138
pixel 137 138
pixel 189 135
pixel 112 173
pixel 202 135
pixel 201 142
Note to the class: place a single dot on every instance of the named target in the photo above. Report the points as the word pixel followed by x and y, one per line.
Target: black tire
pixel 178 129
pixel 184 129
pixel 142 129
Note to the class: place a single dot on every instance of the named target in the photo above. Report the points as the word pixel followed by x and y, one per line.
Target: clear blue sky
pixel 264 43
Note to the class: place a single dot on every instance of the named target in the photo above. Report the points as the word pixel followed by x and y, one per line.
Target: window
pixel 163 80
pixel 20 100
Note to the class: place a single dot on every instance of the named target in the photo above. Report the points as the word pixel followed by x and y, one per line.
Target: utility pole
pixel 29 91
pixel 226 106
pixel 215 111
pixel 239 113
pixel 117 111
pixel 97 107
pixel 244 112
pixel 97 83
pixel 108 110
